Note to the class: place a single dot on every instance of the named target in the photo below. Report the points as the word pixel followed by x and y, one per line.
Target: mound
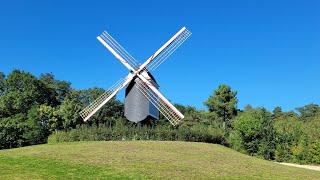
pixel 139 160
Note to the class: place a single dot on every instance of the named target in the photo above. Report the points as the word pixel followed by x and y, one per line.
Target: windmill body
pixel 136 106
pixel 143 99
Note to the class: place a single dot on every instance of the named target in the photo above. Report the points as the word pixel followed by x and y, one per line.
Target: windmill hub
pixel 143 100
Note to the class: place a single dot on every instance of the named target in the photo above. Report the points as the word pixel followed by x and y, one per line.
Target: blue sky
pixel 269 51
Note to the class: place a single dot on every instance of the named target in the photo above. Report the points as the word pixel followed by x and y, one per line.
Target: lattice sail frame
pixel 166 52
pixel 146 88
pixel 173 117
pixel 94 106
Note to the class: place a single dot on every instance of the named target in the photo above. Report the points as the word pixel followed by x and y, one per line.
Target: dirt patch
pixel 316 168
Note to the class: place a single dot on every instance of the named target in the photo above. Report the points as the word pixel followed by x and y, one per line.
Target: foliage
pixel 289 133
pixel 312 128
pixel 192 115
pixel 223 102
pixel 11 131
pixel 29 108
pixel 69 110
pixel 315 152
pixel 2 83
pixel 256 131
pixel 56 90
pixel 123 132
pixel 308 111
pixel 22 91
pixel 42 120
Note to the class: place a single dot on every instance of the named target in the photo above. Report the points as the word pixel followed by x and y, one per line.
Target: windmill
pixel 142 98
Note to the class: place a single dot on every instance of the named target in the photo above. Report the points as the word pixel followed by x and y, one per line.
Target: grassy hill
pixel 139 159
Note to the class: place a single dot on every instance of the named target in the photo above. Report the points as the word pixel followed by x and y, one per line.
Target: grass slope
pixel 139 160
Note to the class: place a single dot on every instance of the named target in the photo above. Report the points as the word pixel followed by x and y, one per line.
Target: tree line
pixel 32 108
pixel 35 110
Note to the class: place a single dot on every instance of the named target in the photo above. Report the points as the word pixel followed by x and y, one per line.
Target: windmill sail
pixel 165 50
pixel 118 51
pixel 168 50
pixel 159 101
pixel 93 107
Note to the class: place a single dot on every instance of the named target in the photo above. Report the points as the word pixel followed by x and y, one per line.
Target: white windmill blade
pixel 166 50
pixel 165 53
pixel 87 112
pixel 167 109
pixel 118 51
pixel 158 100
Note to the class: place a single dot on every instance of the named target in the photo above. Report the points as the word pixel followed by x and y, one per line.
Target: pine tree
pixel 223 102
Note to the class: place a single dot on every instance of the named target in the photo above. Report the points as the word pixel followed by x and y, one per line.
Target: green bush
pixel 315 152
pixel 122 132
pixel 256 132
pixel 236 141
pixel 289 133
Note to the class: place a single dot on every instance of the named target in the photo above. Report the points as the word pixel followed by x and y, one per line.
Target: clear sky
pixel 269 51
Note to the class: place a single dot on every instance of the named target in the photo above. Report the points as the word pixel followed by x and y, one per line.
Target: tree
pixel 308 111
pixel 268 142
pixel 312 128
pixel 288 132
pixel 277 112
pixel 35 126
pixel 57 90
pixel 256 130
pixel 23 90
pixel 223 102
pixel 69 110
pixel 11 131
pixel 2 90
pixel 315 152
pixel 39 119
pixel 2 83
pixel 192 115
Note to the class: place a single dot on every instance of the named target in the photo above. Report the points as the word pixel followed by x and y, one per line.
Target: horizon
pixel 267 52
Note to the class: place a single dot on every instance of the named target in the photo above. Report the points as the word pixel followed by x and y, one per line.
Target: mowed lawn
pixel 140 160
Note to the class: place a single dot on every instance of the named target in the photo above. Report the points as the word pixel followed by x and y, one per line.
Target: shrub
pixel 256 130
pixel 121 132
pixel 315 152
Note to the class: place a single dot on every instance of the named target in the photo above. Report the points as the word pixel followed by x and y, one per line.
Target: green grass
pixel 139 160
